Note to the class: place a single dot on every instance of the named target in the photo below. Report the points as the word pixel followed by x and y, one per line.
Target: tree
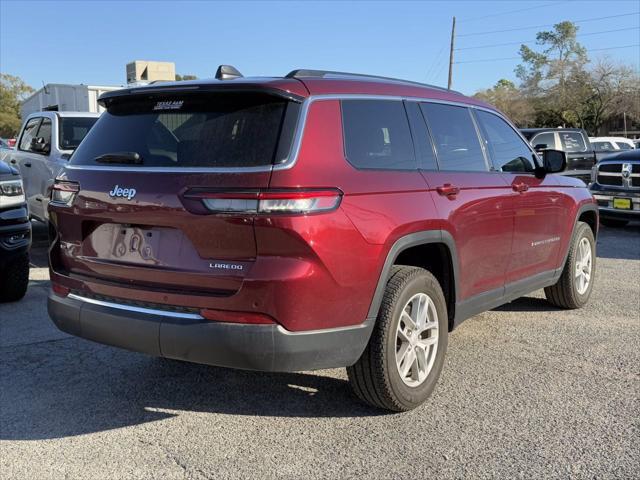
pixel 180 78
pixel 613 90
pixel 509 99
pixel 12 91
pixel 552 72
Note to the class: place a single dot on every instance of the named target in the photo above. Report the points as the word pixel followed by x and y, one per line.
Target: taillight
pixel 268 201
pixel 63 192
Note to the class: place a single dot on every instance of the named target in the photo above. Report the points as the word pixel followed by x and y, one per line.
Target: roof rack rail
pixel 305 73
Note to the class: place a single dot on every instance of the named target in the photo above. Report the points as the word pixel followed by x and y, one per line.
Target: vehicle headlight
pixel 11 193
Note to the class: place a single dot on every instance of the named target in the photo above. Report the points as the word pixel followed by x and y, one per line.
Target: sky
pixel 90 42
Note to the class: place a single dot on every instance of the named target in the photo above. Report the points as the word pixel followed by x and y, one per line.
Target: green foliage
pixel 180 78
pixel 559 87
pixel 507 98
pixel 12 91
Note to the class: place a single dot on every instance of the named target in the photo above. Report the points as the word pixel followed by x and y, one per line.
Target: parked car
pixel 615 184
pixel 573 141
pixel 15 236
pixel 604 146
pixel 312 221
pixel 46 141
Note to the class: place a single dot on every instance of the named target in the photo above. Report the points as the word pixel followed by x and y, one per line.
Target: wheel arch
pixel 434 250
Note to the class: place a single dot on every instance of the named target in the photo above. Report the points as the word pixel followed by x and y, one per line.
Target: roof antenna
pixel 227 72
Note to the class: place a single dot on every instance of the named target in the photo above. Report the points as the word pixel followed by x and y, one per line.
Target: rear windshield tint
pixel 212 130
pixel 572 142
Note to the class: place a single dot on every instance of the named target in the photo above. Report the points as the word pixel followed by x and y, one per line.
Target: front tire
pixel 574 287
pixel 14 278
pixel 401 364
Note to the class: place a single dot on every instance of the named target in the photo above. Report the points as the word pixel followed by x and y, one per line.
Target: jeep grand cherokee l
pixel 311 221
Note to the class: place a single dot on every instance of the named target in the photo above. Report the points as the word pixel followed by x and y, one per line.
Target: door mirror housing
pixel 553 161
pixel 540 146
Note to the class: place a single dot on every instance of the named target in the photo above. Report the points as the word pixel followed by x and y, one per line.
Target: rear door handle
pixel 27 164
pixel 13 160
pixel 520 187
pixel 448 190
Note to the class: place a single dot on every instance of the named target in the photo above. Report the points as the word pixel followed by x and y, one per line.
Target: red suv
pixel 312 221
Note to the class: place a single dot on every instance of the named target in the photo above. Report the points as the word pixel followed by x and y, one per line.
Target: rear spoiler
pixel 179 88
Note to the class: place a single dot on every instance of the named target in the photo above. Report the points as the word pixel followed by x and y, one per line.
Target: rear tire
pixel 613 223
pixel 398 343
pixel 571 291
pixel 14 279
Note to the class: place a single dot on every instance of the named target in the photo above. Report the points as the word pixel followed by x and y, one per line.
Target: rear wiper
pixel 120 157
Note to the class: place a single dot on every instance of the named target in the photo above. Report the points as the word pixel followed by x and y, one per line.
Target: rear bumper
pixel 189 337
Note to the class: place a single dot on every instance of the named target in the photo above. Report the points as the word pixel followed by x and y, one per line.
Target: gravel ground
pixel 528 391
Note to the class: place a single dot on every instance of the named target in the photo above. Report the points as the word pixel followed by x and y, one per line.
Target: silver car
pixel 45 143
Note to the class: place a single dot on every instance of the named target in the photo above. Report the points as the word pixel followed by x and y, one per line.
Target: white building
pixel 64 97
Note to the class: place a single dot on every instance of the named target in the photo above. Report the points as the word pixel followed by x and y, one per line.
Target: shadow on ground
pixel 68 387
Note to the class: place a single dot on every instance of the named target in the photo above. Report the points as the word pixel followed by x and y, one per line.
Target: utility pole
pixel 453 37
pixel 624 119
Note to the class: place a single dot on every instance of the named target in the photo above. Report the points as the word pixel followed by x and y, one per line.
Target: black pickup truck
pixel 573 141
pixel 15 236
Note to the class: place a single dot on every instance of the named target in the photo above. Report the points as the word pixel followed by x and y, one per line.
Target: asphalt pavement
pixel 527 391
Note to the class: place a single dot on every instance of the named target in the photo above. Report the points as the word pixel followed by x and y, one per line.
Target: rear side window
pixel 509 152
pixel 603 146
pixel 624 146
pixel 544 141
pixel 455 137
pixel 572 142
pixel 217 130
pixel 73 130
pixel 377 135
pixel 29 134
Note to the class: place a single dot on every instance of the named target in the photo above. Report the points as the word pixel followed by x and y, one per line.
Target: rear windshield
pixel 572 142
pixel 73 130
pixel 198 130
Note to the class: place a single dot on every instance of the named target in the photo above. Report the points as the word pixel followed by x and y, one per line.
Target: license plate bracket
pixel 622 203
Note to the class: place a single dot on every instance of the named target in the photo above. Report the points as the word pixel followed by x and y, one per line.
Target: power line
pixel 547 25
pixel 533 41
pixel 511 11
pixel 517 58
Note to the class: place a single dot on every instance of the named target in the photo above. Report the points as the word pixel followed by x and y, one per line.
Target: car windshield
pixel 73 130
pixel 199 130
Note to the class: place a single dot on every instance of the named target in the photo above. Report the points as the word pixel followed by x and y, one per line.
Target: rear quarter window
pixel 215 130
pixel 572 142
pixel 377 135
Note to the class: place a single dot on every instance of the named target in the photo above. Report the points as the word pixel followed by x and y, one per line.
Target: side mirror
pixel 553 161
pixel 540 146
